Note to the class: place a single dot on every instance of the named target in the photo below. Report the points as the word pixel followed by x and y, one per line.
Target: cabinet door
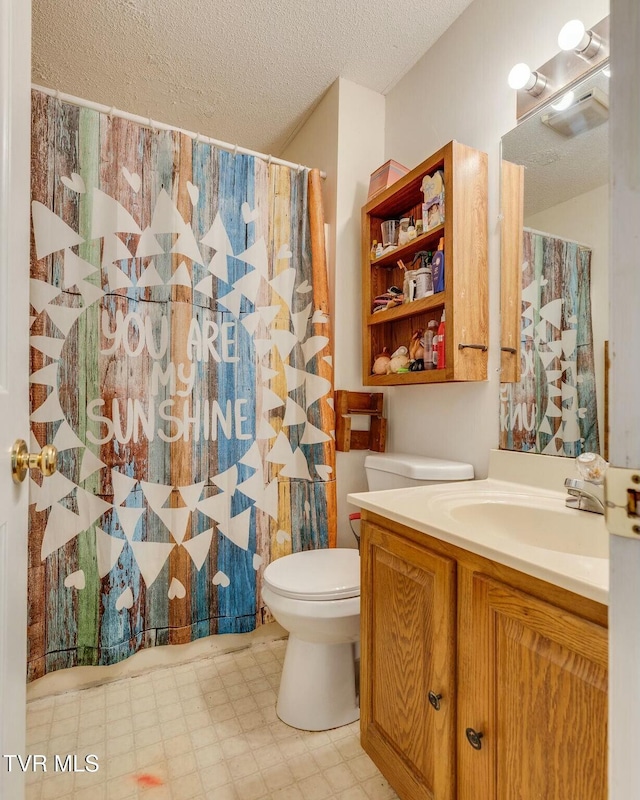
pixel 408 650
pixel 533 681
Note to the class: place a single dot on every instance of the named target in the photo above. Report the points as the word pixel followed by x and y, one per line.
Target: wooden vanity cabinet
pixel 533 680
pixel 407 666
pixel 521 666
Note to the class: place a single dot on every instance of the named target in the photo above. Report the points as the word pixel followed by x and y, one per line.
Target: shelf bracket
pixel 369 404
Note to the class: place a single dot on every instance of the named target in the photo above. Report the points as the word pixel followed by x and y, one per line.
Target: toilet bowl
pixel 315 595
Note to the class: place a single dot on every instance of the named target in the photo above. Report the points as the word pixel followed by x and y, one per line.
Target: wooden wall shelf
pixel 426 241
pixel 361 403
pixel 465 296
pixel 407 309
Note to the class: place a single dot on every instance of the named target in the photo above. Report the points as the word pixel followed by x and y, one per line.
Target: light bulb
pixel 519 76
pixel 564 102
pixel 573 36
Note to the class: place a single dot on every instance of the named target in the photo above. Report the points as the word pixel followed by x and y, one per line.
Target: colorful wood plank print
pixel 553 408
pixel 181 364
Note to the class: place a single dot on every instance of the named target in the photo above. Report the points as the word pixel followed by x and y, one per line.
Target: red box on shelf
pixel 384 176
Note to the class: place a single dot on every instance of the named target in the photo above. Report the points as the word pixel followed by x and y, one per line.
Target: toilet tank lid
pixel 420 468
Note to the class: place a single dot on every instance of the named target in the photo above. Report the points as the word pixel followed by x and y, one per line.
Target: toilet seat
pixel 332 574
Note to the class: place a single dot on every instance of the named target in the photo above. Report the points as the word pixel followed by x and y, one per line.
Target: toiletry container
pixel 429 335
pixel 424 282
pixel 434 344
pixel 437 268
pixel 403 235
pixel 409 285
pixel 440 350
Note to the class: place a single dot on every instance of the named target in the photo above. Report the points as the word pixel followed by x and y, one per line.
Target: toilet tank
pixel 399 470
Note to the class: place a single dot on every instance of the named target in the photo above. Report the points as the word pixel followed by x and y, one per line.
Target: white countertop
pixel 533 514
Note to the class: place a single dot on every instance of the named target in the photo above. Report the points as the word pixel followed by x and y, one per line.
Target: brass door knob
pixel 22 460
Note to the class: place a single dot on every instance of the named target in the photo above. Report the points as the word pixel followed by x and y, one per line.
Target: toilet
pixel 315 596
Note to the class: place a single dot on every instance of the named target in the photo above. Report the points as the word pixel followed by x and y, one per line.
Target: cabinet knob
pixel 435 699
pixel 475 738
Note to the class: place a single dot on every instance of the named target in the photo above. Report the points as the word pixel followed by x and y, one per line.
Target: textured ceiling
pixel 558 168
pixel 247 72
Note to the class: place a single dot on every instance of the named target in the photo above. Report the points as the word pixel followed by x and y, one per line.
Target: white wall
pixel 345 137
pixel 459 90
pixel 316 145
pixel 585 219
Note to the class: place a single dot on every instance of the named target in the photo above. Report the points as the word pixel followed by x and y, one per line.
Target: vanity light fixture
pixel 574 36
pixel 521 77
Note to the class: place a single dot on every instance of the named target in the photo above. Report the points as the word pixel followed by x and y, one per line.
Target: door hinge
pixel 622 502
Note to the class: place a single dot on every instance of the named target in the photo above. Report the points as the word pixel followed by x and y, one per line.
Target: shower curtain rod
pixel 154 124
pixel 559 238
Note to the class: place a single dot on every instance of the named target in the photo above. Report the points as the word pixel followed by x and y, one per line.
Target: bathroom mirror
pixel 555 250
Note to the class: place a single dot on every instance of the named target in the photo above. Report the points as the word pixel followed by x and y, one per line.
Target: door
pixel 407 708
pixel 15 72
pixel 532 707
pixel 624 422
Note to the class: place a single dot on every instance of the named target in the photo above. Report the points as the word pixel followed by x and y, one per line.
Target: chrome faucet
pixel 583 499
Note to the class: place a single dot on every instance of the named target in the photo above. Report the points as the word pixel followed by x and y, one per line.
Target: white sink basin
pixel 518 525
pixel 536 521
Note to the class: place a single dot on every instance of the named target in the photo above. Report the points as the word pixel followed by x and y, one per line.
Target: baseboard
pixel 67 680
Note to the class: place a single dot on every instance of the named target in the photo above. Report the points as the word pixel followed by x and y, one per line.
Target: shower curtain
pixel 553 408
pixel 181 364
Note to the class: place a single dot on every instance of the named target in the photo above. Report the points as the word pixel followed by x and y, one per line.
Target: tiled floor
pixel 207 729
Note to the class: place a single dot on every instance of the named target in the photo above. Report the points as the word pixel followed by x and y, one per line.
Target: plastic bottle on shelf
pixel 429 336
pixel 437 265
pixel 373 249
pixel 434 344
pixel 424 282
pixel 440 350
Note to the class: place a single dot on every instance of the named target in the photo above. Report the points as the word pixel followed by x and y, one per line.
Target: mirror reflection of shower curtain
pixel 553 409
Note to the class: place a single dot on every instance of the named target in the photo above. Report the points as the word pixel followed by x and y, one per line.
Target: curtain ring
pixel 58 95
pixel 111 110
pixel 235 150
pixel 197 138
pixel 299 168
pixel 269 160
pixel 151 124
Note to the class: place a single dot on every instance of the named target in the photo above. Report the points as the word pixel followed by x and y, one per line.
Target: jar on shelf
pixel 403 233
pixel 389 232
pixel 409 286
pixel 424 282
